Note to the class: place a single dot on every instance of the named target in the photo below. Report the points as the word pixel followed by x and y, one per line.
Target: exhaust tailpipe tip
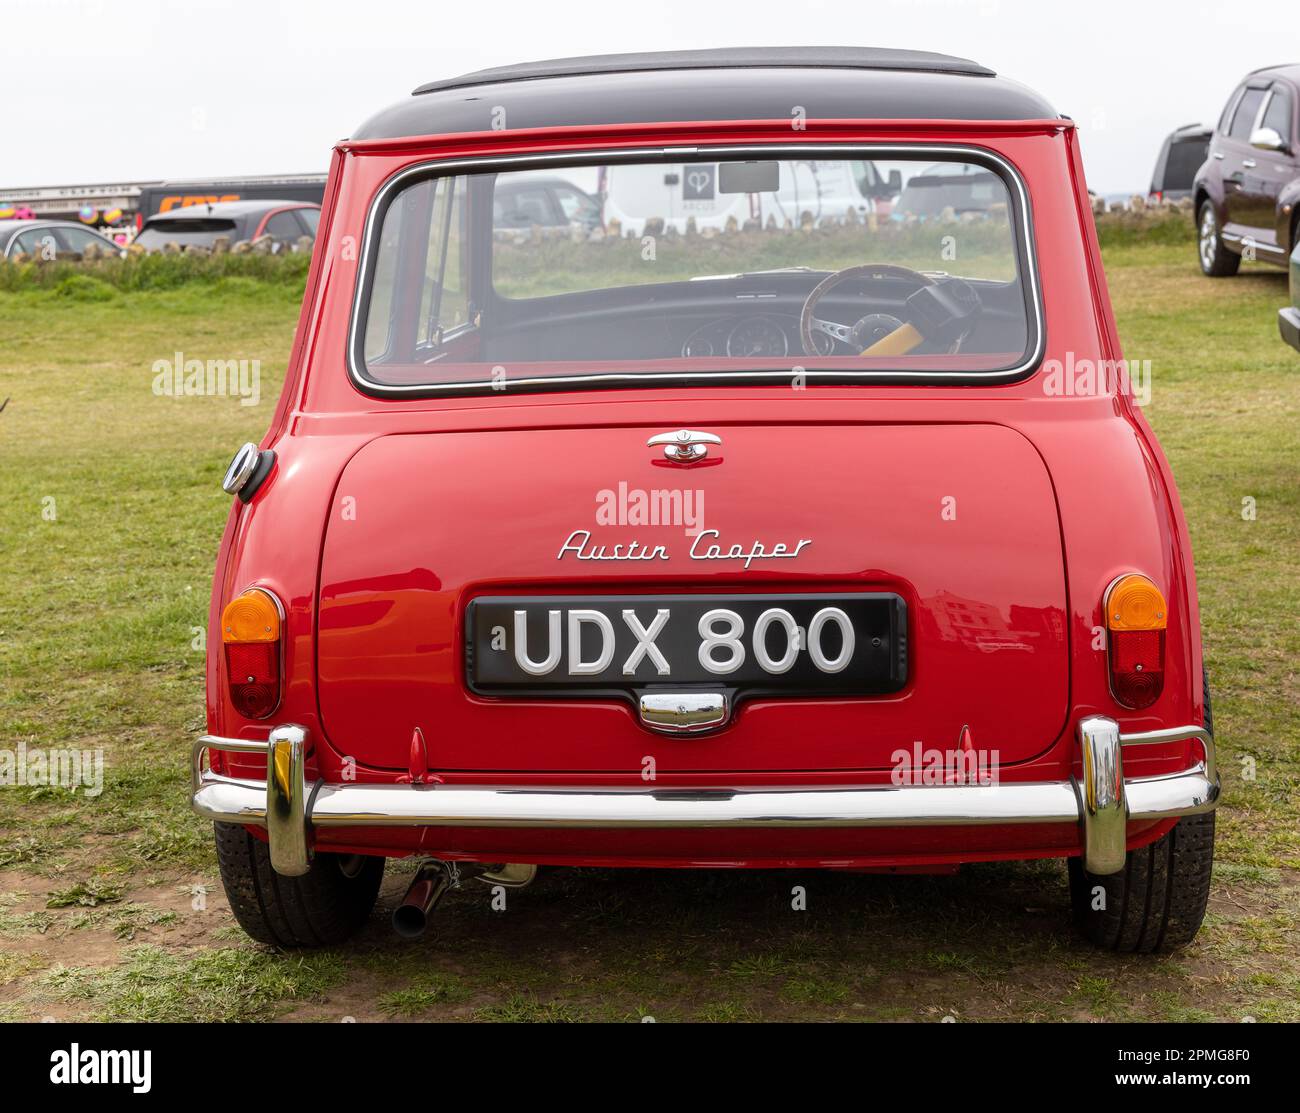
pixel 409 922
pixel 411 917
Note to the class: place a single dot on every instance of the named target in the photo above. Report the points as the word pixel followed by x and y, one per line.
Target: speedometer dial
pixel 757 336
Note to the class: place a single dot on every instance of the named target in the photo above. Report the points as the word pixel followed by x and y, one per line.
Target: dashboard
pixel 776 335
pixel 745 318
pixel 751 335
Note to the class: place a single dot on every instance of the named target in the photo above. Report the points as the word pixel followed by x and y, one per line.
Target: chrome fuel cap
pixel 241 469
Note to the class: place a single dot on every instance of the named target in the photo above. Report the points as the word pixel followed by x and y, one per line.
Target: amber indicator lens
pixel 252 617
pixel 250 629
pixel 1136 616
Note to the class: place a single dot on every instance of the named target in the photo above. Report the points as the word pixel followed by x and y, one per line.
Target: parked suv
pixel 1246 194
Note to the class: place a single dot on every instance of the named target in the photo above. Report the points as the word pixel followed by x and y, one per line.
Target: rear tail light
pixel 250 630
pixel 1135 624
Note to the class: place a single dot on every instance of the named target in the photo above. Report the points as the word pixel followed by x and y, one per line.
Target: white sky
pixel 100 90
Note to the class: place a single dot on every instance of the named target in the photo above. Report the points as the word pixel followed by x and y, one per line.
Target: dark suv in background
pixel 1247 191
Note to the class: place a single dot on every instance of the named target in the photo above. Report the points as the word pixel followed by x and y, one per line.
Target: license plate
pixel 787 644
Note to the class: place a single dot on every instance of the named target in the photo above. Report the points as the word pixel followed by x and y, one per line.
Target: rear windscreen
pixel 699 270
pixel 1185 158
pixel 202 232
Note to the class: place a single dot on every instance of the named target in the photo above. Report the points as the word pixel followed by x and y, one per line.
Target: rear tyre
pixel 1216 260
pixel 325 906
pixel 1157 901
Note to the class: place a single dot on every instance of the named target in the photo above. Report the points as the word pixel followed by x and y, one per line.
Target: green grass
pixel 212 986
pixel 109 521
pixel 426 992
pixel 1226 406
pixel 98 606
pixel 559 265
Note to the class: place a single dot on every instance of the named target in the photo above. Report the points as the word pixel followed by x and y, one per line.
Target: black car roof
pixel 798 57
pixel 735 84
pixel 1287 71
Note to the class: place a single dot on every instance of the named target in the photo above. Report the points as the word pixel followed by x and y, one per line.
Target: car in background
pixel 1181 155
pixel 1247 194
pixel 1288 317
pixel 522 201
pixel 201 225
pixel 50 239
pixel 957 187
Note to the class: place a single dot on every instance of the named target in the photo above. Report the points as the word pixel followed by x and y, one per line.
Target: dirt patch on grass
pixel 992 943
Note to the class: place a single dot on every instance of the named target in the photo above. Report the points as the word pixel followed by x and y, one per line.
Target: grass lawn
pixel 110 514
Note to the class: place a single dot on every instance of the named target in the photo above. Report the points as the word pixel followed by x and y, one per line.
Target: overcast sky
pixel 126 90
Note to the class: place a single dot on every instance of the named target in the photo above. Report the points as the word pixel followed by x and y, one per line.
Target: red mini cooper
pixel 784 526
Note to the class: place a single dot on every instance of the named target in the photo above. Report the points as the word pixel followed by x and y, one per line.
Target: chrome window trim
pixel 1026 254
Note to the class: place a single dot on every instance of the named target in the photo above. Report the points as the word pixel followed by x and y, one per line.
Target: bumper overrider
pixel 1288 324
pixel 1102 801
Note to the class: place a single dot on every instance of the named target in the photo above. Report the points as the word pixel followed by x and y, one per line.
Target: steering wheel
pixel 867 330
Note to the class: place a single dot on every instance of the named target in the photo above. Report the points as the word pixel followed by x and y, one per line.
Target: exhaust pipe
pixel 431 883
pixel 435 877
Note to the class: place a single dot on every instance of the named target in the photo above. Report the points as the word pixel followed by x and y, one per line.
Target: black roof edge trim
pixel 825 57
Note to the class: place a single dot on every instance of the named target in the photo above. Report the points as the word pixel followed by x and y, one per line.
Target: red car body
pixel 1058 494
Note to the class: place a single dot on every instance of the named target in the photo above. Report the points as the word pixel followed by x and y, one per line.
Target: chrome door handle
pixel 684 445
pixel 1217 154
pixel 1248 163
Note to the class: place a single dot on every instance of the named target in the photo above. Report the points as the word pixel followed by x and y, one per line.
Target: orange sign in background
pixel 185 200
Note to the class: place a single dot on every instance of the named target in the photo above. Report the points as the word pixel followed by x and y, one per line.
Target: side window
pixel 310 218
pixel 38 241
pixel 1278 114
pixel 283 227
pixel 1225 121
pixel 576 206
pixel 864 173
pixel 76 240
pixel 445 304
pixel 523 208
pixel 421 288
pixel 1243 120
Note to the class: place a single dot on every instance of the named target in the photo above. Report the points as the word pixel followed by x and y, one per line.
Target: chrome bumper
pixel 1288 324
pixel 1103 801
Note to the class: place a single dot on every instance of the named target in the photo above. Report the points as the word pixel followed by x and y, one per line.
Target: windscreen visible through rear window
pixel 200 231
pixel 709 269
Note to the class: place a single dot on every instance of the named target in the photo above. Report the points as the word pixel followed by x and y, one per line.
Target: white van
pixel 825 190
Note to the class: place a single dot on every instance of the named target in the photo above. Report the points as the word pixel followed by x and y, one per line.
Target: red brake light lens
pixel 250 629
pixel 1135 624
